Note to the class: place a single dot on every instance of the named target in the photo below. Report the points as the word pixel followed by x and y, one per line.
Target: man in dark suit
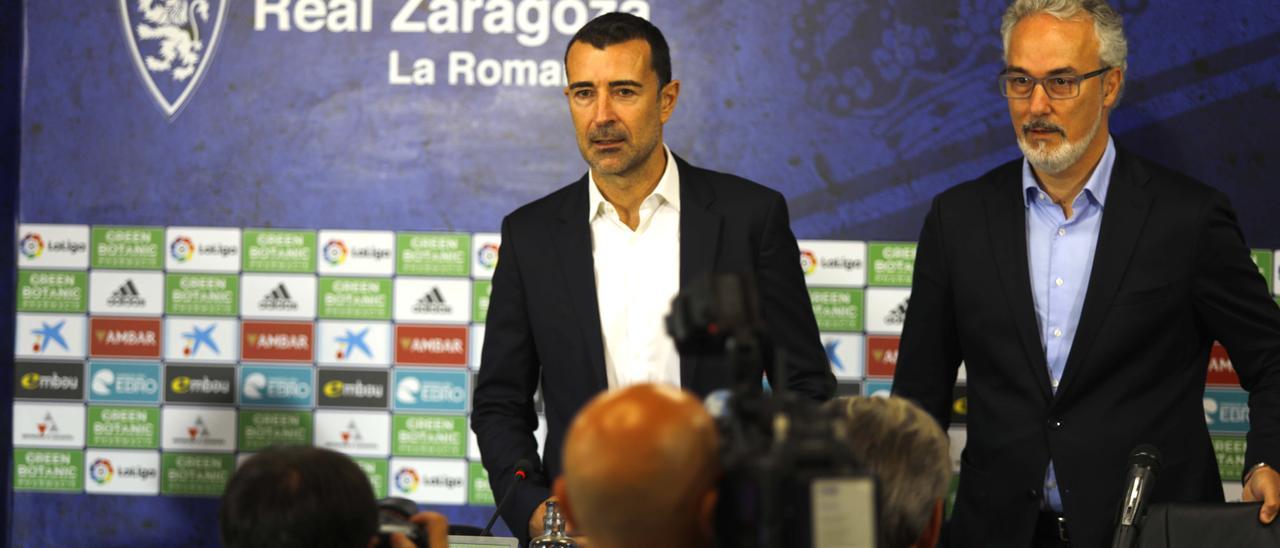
pixel 1082 287
pixel 586 274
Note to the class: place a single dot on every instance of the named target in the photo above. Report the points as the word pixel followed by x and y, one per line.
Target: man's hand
pixel 1264 485
pixel 436 526
pixel 536 528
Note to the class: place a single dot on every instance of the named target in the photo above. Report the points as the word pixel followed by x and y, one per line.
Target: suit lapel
pixel 573 248
pixel 1122 219
pixel 1007 218
pixel 699 239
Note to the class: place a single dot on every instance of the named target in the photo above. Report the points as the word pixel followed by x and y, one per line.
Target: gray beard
pixel 1056 161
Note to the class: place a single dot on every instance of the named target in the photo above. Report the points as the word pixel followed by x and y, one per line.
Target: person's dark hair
pixel 616 28
pixel 298 496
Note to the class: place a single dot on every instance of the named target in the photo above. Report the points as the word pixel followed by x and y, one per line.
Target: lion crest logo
pixel 172 42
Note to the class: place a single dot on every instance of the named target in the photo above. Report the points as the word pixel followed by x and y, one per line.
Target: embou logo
pixel 172 43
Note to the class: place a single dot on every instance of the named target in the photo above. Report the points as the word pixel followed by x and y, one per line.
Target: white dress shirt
pixel 637 275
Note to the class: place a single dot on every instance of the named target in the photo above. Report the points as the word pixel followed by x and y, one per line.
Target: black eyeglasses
pixel 1016 85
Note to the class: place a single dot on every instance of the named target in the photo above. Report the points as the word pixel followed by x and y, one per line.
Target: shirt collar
pixel 668 189
pixel 1095 188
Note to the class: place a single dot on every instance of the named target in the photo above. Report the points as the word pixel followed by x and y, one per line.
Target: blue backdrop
pixel 858 110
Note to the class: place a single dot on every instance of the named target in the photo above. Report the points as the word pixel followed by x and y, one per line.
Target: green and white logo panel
pixel 834 263
pixel 355 298
pixel 48 424
pixel 50 336
pixel 360 433
pixel 260 429
pixel 127 247
pixel 201 340
pixel 267 250
pixel 356 253
pixel 433 254
pixel 484 254
pixel 428 436
pixel 476 348
pixel 480 493
pixel 198 429
pixel 1230 453
pixel 126 293
pixel 433 300
pixel 53 246
pixel 118 472
pixel 891 263
pixel 480 308
pixel 376 470
pixel 195 474
pixel 838 309
pixel 53 291
pixel 887 309
pixel 200 249
pixel 202 294
pixel 278 296
pixel 57 470
pixel 124 427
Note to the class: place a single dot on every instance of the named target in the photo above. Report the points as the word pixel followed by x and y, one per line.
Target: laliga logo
pixel 488 255
pixel 335 252
pixel 171 42
pixel 101 471
pixel 31 246
pixel 182 249
pixel 808 261
pixel 407 480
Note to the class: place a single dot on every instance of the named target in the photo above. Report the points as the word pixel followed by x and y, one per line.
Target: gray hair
pixel 908 452
pixel 1113 48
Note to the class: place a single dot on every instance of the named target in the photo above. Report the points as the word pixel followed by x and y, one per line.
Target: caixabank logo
pixel 353 343
pixel 200 384
pixel 201 340
pixel 50 337
pixel 48 381
pixel 121 382
pixel 172 43
pixel 352 388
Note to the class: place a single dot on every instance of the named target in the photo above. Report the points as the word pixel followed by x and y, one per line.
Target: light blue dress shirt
pixel 1060 257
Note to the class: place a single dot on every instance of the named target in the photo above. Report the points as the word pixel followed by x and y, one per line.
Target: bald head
pixel 640 466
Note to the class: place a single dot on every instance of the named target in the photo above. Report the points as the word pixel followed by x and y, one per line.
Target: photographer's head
pixel 909 454
pixel 641 466
pixel 298 496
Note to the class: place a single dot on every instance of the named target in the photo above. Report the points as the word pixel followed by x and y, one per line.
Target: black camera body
pixel 780 454
pixel 393 517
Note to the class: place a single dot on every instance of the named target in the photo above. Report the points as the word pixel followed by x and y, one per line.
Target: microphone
pixel 1144 467
pixel 523 466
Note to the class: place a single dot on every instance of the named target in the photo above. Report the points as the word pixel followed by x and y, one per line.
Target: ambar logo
pixel 431 345
pixel 124 338
pixel 60 381
pixel 882 356
pixel 277 341
pixel 1221 372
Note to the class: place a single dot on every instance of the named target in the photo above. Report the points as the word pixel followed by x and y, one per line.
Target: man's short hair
pixel 908 452
pixel 298 496
pixel 1113 48
pixel 616 28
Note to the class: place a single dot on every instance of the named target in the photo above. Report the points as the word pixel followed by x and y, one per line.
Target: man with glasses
pixel 1083 287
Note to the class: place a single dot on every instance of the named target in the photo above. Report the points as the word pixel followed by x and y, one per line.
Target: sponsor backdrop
pixel 258 222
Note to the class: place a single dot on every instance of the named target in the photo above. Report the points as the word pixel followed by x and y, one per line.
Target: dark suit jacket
pixel 1171 274
pixel 543 324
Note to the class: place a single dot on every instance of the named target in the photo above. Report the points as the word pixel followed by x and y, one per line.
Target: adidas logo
pixel 127 295
pixel 432 303
pixel 278 299
pixel 898 315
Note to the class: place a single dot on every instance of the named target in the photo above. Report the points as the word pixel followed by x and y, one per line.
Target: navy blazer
pixel 543 324
pixel 1171 274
